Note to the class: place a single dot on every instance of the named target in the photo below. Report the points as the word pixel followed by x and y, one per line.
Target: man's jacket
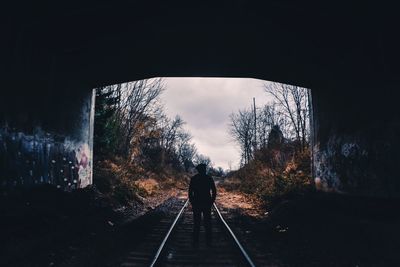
pixel 202 191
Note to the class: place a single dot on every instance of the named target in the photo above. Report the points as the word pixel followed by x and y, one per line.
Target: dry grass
pixel 150 185
pixel 273 175
pixel 248 204
pixel 127 182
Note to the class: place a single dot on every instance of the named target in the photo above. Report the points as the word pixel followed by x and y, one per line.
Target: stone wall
pixel 49 140
pixel 356 142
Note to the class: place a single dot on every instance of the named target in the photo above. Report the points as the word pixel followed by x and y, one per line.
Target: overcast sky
pixel 205 105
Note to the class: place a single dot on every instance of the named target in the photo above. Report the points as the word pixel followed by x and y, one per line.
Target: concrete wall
pixel 46 137
pixel 356 141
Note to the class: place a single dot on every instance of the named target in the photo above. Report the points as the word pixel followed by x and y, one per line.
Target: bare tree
pixel 143 132
pixel 242 130
pixel 289 113
pixel 136 101
pixel 187 153
pixel 202 159
pixel 175 141
pixel 293 103
pixel 171 129
pixel 269 116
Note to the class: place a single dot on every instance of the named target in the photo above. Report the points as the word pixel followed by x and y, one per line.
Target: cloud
pixel 205 104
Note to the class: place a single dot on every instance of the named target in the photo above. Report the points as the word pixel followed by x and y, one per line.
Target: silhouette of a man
pixel 202 194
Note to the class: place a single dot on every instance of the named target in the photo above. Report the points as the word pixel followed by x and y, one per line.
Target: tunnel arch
pixel 57 56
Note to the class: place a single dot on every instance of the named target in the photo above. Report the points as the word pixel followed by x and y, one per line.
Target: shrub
pixel 274 174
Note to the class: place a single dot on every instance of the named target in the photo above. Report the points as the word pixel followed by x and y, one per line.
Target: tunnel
pixel 54 56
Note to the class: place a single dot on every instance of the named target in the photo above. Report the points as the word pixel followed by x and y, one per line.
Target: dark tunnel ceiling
pixel 100 42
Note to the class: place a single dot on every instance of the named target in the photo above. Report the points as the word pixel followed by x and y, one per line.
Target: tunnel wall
pixel 46 137
pixel 356 140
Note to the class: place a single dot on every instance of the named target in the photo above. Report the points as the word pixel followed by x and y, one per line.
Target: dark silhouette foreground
pixel 202 194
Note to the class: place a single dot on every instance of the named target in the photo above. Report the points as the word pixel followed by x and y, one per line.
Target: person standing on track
pixel 202 194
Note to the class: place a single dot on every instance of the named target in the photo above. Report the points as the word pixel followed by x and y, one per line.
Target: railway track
pixel 170 244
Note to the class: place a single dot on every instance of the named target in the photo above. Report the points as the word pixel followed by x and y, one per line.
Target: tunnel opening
pixel 253 135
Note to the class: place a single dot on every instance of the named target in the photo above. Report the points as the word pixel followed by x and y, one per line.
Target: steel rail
pixel 246 256
pixel 156 257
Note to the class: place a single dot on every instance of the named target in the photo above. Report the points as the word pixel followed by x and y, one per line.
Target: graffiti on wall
pixel 41 158
pixel 357 163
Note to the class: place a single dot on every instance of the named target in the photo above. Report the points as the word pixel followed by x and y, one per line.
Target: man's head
pixel 201 168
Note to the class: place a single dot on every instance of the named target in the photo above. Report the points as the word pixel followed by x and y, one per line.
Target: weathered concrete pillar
pixel 356 140
pixel 46 136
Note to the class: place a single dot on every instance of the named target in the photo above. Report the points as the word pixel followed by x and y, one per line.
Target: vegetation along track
pixel 175 246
